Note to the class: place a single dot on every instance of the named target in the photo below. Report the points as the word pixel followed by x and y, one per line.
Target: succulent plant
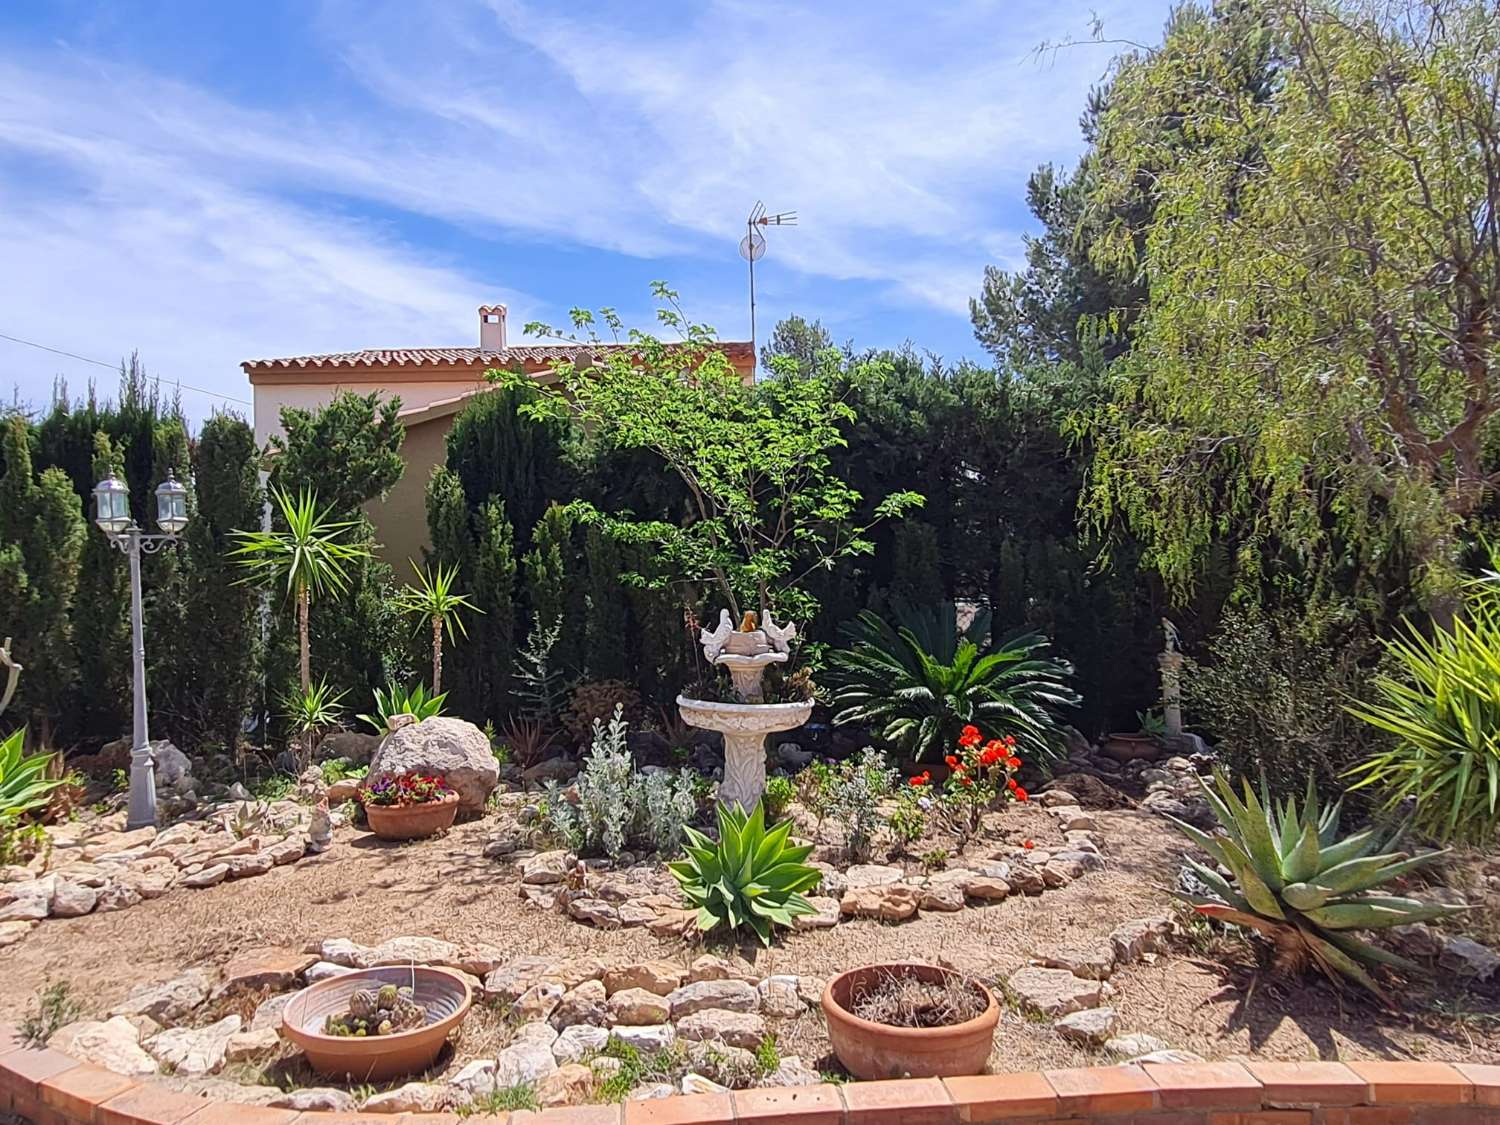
pixel 382 1011
pixel 1296 881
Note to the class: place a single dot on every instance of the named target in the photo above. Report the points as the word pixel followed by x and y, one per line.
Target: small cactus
pixel 378 1012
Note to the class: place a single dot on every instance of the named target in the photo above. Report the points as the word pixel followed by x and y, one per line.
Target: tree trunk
pixel 437 654
pixel 303 602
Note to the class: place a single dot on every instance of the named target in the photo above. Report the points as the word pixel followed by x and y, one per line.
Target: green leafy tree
pixel 1316 366
pixel 434 599
pixel 41 544
pixel 347 452
pixel 765 507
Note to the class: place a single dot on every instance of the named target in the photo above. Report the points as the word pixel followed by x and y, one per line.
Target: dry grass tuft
pixel 901 1000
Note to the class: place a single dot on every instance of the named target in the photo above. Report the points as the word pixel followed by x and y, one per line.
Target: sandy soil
pixel 1210 996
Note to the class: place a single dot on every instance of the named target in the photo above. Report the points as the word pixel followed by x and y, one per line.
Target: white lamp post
pixel 112 514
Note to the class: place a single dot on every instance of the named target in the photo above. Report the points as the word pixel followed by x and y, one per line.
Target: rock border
pixel 48 1087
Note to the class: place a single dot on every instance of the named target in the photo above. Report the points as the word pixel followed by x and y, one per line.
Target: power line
pixel 114 367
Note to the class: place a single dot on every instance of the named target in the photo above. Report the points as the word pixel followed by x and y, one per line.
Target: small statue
pixel 780 636
pixel 747 622
pixel 713 641
pixel 320 828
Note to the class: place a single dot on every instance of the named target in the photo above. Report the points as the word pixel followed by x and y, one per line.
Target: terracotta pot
pixel 444 994
pixel 412 822
pixel 1128 747
pixel 875 1050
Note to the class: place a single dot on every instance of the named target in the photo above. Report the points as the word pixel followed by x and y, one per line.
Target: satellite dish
pixel 753 246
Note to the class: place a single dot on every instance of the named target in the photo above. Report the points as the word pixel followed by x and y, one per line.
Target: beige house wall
pixel 270 397
pixel 401 518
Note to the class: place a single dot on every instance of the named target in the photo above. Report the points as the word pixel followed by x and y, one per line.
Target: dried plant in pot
pixel 408 806
pixel 909 1020
pixel 376 1024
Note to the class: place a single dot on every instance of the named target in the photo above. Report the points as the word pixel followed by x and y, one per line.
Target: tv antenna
pixel 753 249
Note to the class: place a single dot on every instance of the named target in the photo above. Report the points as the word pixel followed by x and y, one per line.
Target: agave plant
pixel 399 700
pixel 1296 881
pixel 751 877
pixel 24 784
pixel 918 683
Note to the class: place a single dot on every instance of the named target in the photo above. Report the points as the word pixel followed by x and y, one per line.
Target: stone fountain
pixel 746 653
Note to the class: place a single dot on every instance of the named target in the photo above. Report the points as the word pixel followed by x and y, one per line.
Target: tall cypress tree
pixel 101 619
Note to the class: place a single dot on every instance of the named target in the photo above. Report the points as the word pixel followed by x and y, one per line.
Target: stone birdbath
pixel 746 652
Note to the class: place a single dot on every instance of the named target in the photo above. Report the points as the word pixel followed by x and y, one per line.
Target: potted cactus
pixel 408 806
pixel 377 1024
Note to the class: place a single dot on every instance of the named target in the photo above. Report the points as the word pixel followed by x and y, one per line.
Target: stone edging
pixel 50 1088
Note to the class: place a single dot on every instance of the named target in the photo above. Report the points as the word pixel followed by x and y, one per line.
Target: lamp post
pixel 112 514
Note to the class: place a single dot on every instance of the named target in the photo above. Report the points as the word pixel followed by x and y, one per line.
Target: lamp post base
pixel 142 809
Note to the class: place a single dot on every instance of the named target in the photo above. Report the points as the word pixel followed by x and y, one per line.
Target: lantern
pixel 112 505
pixel 171 505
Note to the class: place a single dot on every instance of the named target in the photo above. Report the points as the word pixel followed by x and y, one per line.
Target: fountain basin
pixel 744 727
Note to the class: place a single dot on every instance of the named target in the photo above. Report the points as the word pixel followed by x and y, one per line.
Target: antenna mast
pixel 753 248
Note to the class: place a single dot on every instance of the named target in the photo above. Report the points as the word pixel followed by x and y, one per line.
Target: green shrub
pixel 779 795
pixel 919 682
pixel 339 769
pixel 398 700
pixel 750 877
pixel 851 792
pixel 1296 881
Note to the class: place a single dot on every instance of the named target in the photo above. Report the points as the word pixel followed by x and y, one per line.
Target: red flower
pixel 968 781
pixel 953 762
pixel 970 736
pixel 1027 844
pixel 1010 740
pixel 1013 763
pixel 920 779
pixel 992 754
pixel 1010 781
pixel 1020 793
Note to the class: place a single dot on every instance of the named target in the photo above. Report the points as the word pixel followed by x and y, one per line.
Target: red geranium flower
pixel 953 762
pixel 921 779
pixel 970 736
pixel 1013 763
pixel 1027 844
pixel 1020 793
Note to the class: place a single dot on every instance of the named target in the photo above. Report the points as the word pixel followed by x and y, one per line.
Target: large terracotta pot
pixel 875 1050
pixel 444 994
pixel 412 822
pixel 1128 747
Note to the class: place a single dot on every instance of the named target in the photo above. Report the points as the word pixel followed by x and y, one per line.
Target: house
pixel 434 384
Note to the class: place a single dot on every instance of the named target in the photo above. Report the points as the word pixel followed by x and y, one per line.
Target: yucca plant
pixel 919 682
pixel 310 711
pixel 24 784
pixel 437 603
pixel 1296 881
pixel 750 877
pixel 399 700
pixel 1443 707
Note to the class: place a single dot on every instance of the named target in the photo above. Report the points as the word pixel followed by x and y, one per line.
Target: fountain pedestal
pixel 744 727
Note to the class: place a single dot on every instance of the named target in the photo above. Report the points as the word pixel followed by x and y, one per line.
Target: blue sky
pixel 209 183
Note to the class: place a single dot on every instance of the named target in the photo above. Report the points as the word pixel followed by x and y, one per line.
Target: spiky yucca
pixel 1298 883
pixel 751 877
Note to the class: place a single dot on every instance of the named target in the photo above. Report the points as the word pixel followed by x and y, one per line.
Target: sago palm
pixel 434 600
pixel 917 684
pixel 308 554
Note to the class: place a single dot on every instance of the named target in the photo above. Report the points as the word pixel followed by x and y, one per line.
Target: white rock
pixel 1091 1026
pixel 476 1079
pixel 249 1044
pixel 72 900
pixel 414 1097
pixel 825 914
pixel 315 1099
pixel 455 750
pixel 1143 935
pixel 322 970
pixel 731 995
pixel 718 1025
pixel 1134 1044
pixel 194 1050
pixel 871 875
pixel 1465 957
pixel 169 1001
pixel 524 1061
pixel 113 1044
pixel 697 1084
pixel 1053 992
pixel 780 997
pixel 579 1041
pixel 646 1040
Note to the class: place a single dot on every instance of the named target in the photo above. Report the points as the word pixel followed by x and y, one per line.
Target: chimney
pixel 492 328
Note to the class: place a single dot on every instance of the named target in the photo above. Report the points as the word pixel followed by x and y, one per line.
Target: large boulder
pixel 449 748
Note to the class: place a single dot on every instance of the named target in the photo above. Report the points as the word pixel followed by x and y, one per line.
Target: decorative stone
pixel 452 749
pixel 1026 880
pixel 208 877
pixel 1052 798
pixel 941 895
pixel 648 1040
pixel 738 1029
pixel 1071 818
pixel 833 883
pixel 194 1050
pixel 986 888
pixel 709 967
pixel 1092 1026
pixel 1053 992
pixel 413 950
pixel 582 1005
pixel 794 1072
pixel 287 851
pixel 524 1061
pixel 547 867
pixel 660 977
pixel 576 971
pixel 1135 1043
pixel 1170 1055
pixel 245 866
pixel 1466 958
pixel 508 982
pixel 414 1097
pixel 315 1099
pixel 117 896
pixel 251 1044
pixel 652 1091
pixel 171 1001
pixel 569 1083
pixel 113 1044
pixel 13 931
pixel 1135 939
pixel 596 912
pixel 780 997
pixel 322 970
pixel 266 967
pixel 825 914
pixel 891 902
pixel 27 901
pixel 344 789
pixel 728 995
pixel 1092 963
pixel 636 1006
pixel 475 1079
pixel 268 1014
pixel 579 1041
pixel 871 875
pixel 539 1001
pixel 72 900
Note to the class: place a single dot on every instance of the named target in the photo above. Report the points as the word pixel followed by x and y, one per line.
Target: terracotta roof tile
pixel 421 357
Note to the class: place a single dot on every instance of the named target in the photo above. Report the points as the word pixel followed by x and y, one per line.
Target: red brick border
pixel 50 1088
